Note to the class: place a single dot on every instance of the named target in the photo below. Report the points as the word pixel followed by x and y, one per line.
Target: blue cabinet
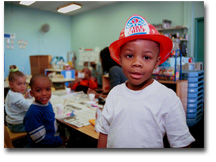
pixel 66 73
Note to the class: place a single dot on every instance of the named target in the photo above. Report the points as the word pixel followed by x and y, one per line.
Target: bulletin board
pixel 88 56
pixel 10 41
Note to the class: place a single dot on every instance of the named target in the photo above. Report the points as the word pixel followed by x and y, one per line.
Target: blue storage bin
pixel 196 79
pixel 192 122
pixel 196 84
pixel 195 96
pixel 195 115
pixel 192 100
pixel 194 110
pixel 194 105
pixel 191 74
pixel 195 90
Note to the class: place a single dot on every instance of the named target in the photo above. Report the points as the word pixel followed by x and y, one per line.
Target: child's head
pixel 93 65
pixel 17 80
pixel 87 73
pixel 138 59
pixel 139 50
pixel 41 88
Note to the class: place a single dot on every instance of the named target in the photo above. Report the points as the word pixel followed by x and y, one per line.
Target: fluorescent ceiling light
pixel 69 8
pixel 26 3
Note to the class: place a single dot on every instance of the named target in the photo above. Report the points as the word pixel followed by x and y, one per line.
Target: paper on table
pixel 82 115
pixel 82 112
pixel 56 100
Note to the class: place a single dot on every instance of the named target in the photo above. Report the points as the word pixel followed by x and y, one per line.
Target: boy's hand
pixel 26 94
pixel 90 91
pixel 78 80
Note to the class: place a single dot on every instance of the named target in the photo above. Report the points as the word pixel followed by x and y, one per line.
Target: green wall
pixel 26 23
pixel 96 28
pixel 100 27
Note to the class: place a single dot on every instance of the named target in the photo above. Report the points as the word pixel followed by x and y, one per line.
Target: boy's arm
pixel 102 141
pixel 177 130
pixel 74 84
pixel 92 84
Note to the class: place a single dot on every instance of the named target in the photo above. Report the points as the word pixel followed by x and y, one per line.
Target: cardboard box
pixel 188 66
pixel 39 63
pixel 193 66
pixel 198 66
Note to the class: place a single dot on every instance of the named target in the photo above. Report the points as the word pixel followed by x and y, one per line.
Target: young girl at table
pixel 16 104
pixel 84 82
pixel 139 112
pixel 39 120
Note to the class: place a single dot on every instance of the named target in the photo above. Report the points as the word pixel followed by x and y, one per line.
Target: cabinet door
pixel 44 63
pixel 40 63
pixel 34 62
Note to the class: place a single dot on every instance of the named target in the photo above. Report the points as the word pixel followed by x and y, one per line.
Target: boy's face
pixel 41 90
pixel 18 84
pixel 87 73
pixel 138 60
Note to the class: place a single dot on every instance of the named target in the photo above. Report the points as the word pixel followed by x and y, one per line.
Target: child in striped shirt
pixel 39 120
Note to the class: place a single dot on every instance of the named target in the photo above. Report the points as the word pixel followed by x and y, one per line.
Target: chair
pixel 11 136
pixel 7 140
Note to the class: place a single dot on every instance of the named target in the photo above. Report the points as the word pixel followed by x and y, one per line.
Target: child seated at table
pixel 39 120
pixel 84 82
pixel 15 103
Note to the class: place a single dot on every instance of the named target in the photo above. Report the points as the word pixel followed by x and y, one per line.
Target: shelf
pixel 183 40
pixel 176 40
pixel 173 28
pixel 181 89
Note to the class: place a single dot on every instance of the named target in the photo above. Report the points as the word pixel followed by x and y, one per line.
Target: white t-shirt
pixel 16 106
pixel 140 119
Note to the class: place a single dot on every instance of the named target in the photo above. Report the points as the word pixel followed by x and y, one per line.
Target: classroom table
pixel 54 80
pixel 89 129
pixel 58 83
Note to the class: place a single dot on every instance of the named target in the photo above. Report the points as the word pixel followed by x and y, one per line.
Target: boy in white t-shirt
pixel 139 112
